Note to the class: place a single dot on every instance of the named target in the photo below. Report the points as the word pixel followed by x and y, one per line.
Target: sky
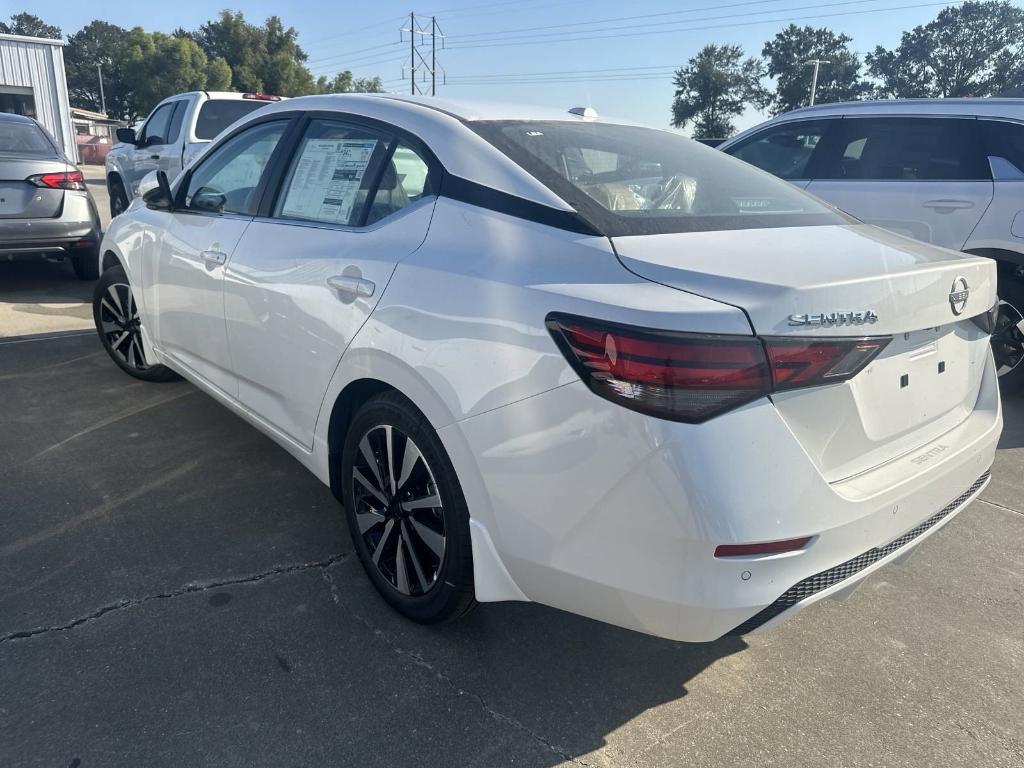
pixel 614 56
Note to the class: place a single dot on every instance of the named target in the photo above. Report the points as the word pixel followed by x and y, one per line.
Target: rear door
pixel 186 285
pixel 307 273
pixel 786 150
pixel 924 177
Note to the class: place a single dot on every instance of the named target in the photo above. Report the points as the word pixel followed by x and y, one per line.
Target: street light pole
pixel 103 99
pixel 814 77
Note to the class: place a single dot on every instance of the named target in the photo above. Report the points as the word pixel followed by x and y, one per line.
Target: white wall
pixel 29 62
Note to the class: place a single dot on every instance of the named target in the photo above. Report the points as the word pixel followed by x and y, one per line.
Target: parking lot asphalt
pixel 42 296
pixel 175 590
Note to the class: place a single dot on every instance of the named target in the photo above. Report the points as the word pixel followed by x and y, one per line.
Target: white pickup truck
pixel 177 129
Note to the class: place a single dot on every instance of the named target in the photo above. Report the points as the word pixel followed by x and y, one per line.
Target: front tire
pixel 1008 336
pixel 118 196
pixel 117 322
pixel 406 511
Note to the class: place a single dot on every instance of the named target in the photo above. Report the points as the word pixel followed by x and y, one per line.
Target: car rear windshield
pixel 217 114
pixel 25 139
pixel 636 181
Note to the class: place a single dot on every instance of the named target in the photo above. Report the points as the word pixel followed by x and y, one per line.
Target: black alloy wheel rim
pixel 1008 339
pixel 398 510
pixel 119 322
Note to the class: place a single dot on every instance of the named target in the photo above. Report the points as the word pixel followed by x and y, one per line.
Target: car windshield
pixel 634 181
pixel 217 114
pixel 24 139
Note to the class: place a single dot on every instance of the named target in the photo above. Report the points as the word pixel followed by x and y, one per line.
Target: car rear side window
pixel 24 138
pixel 1004 139
pixel 177 118
pixel 404 180
pixel 332 174
pixel 903 149
pixel 784 150
pixel 217 114
pixel 228 179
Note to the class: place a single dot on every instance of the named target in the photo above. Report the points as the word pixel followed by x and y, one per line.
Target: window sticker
pixel 327 178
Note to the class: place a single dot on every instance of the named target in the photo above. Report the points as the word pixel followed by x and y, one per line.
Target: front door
pixel 155 144
pixel 305 277
pixel 187 290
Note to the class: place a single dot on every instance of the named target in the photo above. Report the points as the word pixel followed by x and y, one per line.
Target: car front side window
pixel 228 180
pixel 784 150
pixel 155 131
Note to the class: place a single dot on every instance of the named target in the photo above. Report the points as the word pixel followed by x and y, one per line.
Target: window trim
pixel 181 190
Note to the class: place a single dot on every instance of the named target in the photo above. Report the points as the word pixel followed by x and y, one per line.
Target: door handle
pixel 948 205
pixel 213 258
pixel 154 157
pixel 352 286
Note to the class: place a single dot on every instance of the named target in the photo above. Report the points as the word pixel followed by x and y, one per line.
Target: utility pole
pixel 417 60
pixel 103 99
pixel 814 78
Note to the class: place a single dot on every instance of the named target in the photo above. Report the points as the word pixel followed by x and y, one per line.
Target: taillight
pixel 68 180
pixel 692 377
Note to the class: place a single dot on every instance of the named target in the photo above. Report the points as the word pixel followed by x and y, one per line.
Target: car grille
pixel 819 581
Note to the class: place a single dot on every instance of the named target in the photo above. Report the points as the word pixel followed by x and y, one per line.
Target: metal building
pixel 33 83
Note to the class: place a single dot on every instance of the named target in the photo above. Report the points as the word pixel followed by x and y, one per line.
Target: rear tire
pixel 117 322
pixel 410 533
pixel 1008 337
pixel 118 196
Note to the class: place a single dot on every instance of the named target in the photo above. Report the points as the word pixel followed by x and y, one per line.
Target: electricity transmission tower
pixel 423 42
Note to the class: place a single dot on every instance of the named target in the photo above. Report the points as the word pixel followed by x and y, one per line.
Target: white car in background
pixel 543 356
pixel 177 130
pixel 946 171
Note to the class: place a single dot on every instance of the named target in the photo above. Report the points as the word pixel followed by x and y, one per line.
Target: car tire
pixel 1008 336
pixel 418 557
pixel 118 196
pixel 117 323
pixel 86 265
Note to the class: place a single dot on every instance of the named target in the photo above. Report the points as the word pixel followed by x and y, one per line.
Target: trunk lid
pixel 847 281
pixel 21 200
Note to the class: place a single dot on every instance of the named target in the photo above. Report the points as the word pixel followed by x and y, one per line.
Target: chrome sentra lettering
pixel 851 317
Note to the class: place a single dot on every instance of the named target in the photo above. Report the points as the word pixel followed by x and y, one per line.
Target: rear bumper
pixel 601 511
pixel 76 230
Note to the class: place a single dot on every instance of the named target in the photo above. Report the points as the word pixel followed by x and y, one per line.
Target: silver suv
pixel 946 171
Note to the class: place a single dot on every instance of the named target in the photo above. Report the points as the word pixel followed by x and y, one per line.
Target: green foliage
pixel 158 65
pixel 714 87
pixel 30 26
pixel 787 52
pixel 99 43
pixel 974 49
pixel 344 82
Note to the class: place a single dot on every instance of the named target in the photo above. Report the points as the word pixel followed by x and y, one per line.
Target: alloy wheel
pixel 1008 338
pixel 398 510
pixel 120 325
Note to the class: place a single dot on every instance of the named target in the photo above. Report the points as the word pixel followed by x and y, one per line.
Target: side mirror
pixel 155 191
pixel 125 135
pixel 152 141
pixel 208 200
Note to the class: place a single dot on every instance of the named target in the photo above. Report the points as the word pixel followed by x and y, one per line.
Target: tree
pixel 714 87
pixel 838 80
pixel 974 49
pixel 98 44
pixel 30 26
pixel 344 82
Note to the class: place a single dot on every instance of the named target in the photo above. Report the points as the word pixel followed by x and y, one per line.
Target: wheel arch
pixel 1007 260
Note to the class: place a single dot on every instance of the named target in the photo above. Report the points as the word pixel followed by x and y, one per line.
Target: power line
pixel 417 60
pixel 784 19
pixel 348 33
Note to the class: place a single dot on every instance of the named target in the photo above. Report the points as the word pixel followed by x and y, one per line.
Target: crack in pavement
pixel 278 570
pixel 418 660
pixel 1001 506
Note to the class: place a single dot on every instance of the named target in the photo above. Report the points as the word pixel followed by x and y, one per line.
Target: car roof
pixel 988 107
pixel 473 110
pixel 8 117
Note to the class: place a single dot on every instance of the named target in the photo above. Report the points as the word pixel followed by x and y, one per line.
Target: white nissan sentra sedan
pixel 539 355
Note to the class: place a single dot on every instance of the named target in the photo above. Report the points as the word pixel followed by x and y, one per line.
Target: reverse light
pixel 692 377
pixel 761 548
pixel 62 180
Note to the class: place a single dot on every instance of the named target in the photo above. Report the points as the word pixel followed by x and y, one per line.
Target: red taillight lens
pixel 678 376
pixel 799 362
pixel 69 180
pixel 761 548
pixel 693 377
pixel 260 97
